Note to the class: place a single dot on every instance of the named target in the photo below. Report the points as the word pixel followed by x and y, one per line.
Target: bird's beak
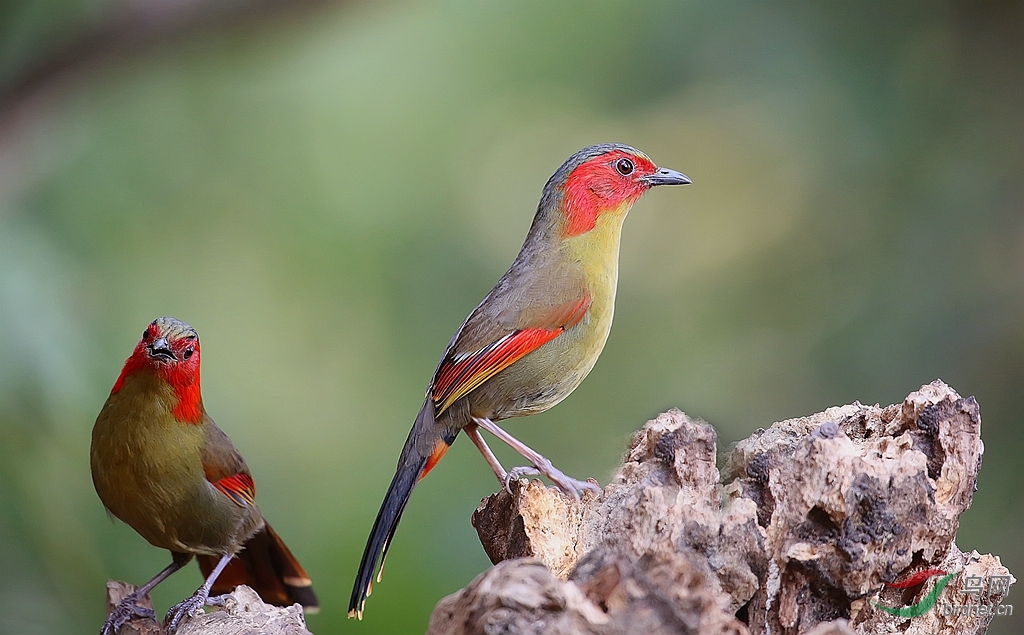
pixel 664 176
pixel 159 348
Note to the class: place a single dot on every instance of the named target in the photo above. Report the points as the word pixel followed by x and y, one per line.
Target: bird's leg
pixel 473 432
pixel 129 606
pixel 540 465
pixel 191 606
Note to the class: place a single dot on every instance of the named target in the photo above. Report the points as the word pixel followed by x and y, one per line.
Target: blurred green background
pixel 325 190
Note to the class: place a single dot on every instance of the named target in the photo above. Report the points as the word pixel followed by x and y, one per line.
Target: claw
pixel 517 473
pixel 189 608
pixel 128 609
pixel 568 485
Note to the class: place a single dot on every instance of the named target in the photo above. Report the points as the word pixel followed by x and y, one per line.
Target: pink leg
pixel 473 432
pixel 540 465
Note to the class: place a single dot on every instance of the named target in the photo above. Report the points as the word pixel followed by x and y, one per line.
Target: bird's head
pixel 169 343
pixel 169 348
pixel 604 178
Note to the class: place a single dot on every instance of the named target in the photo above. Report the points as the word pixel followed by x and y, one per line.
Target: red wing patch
pixel 240 488
pixel 458 376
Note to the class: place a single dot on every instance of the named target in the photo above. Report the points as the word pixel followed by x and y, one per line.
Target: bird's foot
pixel 568 485
pixel 128 609
pixel 189 608
pixel 517 473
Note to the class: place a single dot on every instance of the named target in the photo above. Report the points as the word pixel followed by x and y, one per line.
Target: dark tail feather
pixel 266 565
pixel 423 449
pixel 383 531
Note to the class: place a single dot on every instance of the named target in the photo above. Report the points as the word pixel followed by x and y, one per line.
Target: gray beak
pixel 161 349
pixel 664 176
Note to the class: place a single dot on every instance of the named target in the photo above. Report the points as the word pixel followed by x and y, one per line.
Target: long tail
pixel 266 565
pixel 418 457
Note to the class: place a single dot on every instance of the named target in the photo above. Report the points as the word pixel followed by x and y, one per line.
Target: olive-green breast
pixel 549 374
pixel 147 469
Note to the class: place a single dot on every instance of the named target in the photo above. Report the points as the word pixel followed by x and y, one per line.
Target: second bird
pixel 161 464
pixel 533 338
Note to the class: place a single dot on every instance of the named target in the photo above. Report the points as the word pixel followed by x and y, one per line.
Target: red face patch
pixel 601 184
pixel 178 364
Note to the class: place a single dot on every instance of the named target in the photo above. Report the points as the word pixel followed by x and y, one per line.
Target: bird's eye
pixel 624 167
pixel 188 352
pixel 145 335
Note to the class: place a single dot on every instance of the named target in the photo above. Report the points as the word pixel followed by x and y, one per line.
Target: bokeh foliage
pixel 326 195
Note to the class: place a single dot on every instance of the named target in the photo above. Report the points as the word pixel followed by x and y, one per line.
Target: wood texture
pixel 800 531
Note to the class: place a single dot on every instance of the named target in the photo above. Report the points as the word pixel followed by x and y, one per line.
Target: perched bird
pixel 161 464
pixel 535 336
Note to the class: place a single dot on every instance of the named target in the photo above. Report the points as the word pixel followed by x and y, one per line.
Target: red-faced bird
pixel 535 336
pixel 161 464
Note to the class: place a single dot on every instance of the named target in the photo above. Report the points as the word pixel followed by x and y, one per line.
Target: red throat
pixel 595 187
pixel 183 376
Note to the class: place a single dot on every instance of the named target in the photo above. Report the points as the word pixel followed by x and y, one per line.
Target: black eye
pixel 188 352
pixel 624 167
pixel 145 335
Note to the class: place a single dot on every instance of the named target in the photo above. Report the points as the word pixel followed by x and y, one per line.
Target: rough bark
pixel 809 527
pixel 244 613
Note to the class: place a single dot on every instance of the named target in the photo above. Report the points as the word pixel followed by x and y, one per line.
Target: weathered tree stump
pixel 815 525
